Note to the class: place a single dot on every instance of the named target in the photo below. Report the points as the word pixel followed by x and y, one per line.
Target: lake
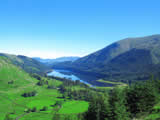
pixel 87 79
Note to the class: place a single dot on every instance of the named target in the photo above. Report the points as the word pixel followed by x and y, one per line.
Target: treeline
pixel 81 94
pixel 125 104
pixel 44 81
pixel 84 92
pixel 29 94
pixel 67 82
pixel 118 104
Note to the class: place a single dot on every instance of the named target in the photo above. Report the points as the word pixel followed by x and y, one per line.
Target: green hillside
pixel 12 81
pixel 49 98
pixel 12 77
pixel 128 59
pixel 22 98
pixel 28 64
pixel 26 97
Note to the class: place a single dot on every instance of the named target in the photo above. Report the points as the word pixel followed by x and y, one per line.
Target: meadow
pixel 15 82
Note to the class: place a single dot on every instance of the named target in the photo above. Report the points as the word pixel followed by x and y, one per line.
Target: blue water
pixel 85 78
pixel 65 74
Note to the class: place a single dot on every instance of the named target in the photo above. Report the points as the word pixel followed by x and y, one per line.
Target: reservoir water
pixel 65 74
pixel 87 79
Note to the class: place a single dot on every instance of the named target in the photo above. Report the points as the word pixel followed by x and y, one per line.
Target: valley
pixel 15 82
pixel 82 77
pixel 79 59
pixel 127 60
pixel 123 85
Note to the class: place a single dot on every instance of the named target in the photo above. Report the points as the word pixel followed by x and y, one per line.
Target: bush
pixel 29 94
pixel 34 109
pixel 45 108
pixel 11 82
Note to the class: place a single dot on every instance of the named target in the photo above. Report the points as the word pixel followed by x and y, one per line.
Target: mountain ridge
pixel 113 60
pixel 27 64
pixel 56 60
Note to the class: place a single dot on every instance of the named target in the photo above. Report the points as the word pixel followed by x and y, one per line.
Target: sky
pixel 56 28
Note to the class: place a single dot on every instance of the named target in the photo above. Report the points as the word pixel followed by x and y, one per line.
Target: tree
pixel 117 105
pixel 97 109
pixel 34 109
pixel 141 97
pixel 58 103
pixel 41 82
pixel 36 76
pixel 29 94
pixel 28 110
pixel 45 108
pixel 11 82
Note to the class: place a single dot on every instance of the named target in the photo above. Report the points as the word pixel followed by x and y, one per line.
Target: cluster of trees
pixel 38 77
pixel 34 109
pixel 31 110
pixel 82 94
pixel 11 82
pixel 86 93
pixel 42 82
pixel 45 108
pixel 51 86
pixel 67 82
pixel 29 94
pixel 125 104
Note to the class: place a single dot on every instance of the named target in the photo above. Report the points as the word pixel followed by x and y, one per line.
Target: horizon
pixel 33 56
pixel 54 29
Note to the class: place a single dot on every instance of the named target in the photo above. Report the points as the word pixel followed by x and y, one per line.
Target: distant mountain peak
pixel 60 59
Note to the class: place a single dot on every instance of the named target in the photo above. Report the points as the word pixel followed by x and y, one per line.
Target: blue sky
pixel 55 28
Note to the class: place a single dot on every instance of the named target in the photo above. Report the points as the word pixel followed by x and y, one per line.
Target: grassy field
pixel 14 82
pixel 114 84
pixel 71 107
pixel 110 82
pixel 15 103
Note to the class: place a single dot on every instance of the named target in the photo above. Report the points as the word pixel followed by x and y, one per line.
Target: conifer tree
pixel 117 103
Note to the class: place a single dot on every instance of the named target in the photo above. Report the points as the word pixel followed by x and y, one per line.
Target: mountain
pixel 128 59
pixel 57 60
pixel 42 60
pixel 13 82
pixel 11 73
pixel 28 64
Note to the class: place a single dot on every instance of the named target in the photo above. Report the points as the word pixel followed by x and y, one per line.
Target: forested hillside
pixel 140 101
pixel 130 59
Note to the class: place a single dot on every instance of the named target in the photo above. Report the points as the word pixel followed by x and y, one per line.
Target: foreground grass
pixel 71 107
pixel 12 102
pixel 16 104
